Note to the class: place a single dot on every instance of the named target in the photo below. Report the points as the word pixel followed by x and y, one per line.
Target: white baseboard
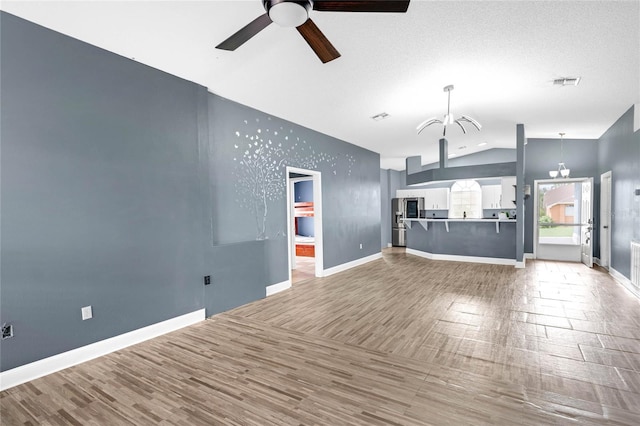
pixel 456 258
pixel 34 370
pixel 352 264
pixel 529 256
pixel 596 261
pixel 521 265
pixel 277 288
pixel 625 282
pixel 389 245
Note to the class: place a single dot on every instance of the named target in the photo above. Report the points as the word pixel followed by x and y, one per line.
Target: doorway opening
pixel 563 220
pixel 304 222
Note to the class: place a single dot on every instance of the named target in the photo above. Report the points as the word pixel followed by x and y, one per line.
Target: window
pixel 466 199
pixel 568 210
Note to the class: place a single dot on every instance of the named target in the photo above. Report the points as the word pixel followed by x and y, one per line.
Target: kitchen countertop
pixel 425 222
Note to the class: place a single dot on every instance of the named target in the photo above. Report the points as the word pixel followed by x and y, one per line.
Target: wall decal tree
pixel 261 157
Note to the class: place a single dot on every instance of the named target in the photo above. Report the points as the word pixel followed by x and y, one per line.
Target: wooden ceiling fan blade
pixel 397 6
pixel 244 34
pixel 318 42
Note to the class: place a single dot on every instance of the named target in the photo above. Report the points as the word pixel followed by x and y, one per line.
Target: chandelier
pixel 562 170
pixel 448 118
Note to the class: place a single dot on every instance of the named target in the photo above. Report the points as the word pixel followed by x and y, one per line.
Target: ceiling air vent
pixel 380 116
pixel 566 81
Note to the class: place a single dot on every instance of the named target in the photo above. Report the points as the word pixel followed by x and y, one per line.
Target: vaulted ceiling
pixel 501 56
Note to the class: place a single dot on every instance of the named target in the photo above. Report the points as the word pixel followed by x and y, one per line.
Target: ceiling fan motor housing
pixel 288 13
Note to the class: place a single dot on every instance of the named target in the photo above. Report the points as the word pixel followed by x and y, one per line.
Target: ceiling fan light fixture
pixel 288 14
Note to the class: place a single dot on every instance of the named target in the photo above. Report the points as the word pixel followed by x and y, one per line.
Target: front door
pixel 586 221
pixel 563 211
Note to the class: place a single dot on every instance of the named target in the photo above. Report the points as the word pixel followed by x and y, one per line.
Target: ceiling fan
pixel 295 13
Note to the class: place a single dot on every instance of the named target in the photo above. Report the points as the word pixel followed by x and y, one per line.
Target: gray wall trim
pixel 464 172
pixel 489 156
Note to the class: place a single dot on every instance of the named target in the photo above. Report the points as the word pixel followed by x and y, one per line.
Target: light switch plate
pixel 87 313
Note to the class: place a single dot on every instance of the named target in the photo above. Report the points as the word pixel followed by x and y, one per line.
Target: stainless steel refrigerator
pixel 398 229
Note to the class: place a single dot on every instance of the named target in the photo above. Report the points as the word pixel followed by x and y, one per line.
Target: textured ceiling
pixel 501 56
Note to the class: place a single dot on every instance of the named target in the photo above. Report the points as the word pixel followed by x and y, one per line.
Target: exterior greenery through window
pixel 466 198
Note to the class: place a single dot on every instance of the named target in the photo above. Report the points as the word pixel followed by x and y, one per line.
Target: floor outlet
pixel 87 313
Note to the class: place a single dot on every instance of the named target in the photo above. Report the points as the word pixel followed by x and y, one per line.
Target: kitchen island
pixel 468 240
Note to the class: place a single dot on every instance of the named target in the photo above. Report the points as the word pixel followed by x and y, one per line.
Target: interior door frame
pixel 292 210
pixel 317 222
pixel 605 213
pixel 536 184
pixel 589 225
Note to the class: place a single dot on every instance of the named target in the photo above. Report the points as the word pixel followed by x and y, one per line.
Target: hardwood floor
pixel 398 341
pixel 305 269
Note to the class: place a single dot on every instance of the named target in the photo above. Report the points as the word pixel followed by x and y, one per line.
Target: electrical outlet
pixel 7 331
pixel 207 279
pixel 87 313
pixel 360 246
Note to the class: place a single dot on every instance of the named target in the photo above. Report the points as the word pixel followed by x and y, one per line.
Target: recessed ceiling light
pixel 380 116
pixel 453 155
pixel 567 81
pixel 482 144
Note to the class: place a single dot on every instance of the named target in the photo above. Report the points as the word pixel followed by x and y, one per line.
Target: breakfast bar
pixel 479 240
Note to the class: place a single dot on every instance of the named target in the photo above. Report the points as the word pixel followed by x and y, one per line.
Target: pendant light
pixel 562 170
pixel 448 118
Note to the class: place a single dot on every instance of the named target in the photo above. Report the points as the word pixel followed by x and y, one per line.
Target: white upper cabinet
pixel 436 199
pixel 491 196
pixel 408 193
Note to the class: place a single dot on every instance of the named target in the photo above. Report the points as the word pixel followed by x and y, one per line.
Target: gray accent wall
pixel 542 155
pixel 101 194
pixel 121 188
pixel 619 152
pixel 247 142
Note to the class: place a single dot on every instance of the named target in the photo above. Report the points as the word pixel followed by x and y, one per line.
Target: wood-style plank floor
pixel 399 341
pixel 305 269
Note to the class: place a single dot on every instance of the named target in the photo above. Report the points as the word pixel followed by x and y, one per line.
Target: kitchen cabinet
pixel 436 199
pixel 492 196
pixel 409 193
pixel 508 192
